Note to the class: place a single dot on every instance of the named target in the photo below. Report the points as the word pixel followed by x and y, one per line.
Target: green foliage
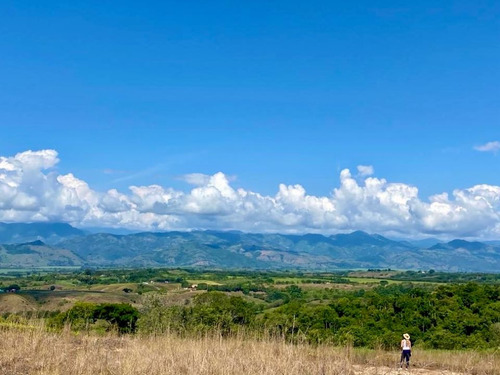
pixel 461 315
pixel 495 334
pixel 157 317
pixel 294 292
pixel 447 277
pixel 121 315
pixel 211 311
pixel 444 317
pixel 451 317
pixel 84 315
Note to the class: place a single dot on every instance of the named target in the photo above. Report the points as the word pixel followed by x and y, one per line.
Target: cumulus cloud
pixel 365 170
pixel 195 178
pixel 489 147
pixel 32 190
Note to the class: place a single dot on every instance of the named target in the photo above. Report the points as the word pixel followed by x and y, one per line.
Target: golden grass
pixel 36 351
pixel 14 303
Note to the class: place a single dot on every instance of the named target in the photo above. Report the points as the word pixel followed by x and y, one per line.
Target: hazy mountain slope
pixel 466 255
pixel 311 251
pixel 235 249
pixel 36 254
pixel 154 249
pixel 49 233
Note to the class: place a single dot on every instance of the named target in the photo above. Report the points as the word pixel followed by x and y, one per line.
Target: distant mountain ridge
pixel 26 232
pixel 457 244
pixel 65 245
pixel 36 254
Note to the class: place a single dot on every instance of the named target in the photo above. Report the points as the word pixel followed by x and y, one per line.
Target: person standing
pixel 405 351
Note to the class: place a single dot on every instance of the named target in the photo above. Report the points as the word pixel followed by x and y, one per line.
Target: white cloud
pixel 32 190
pixel 365 170
pixel 489 147
pixel 197 179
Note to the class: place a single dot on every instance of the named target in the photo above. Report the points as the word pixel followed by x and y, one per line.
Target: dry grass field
pixel 32 350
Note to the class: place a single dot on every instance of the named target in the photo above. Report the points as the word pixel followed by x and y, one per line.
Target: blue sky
pixel 269 93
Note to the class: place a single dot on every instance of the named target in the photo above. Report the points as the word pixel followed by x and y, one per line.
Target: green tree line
pixel 446 317
pixel 452 316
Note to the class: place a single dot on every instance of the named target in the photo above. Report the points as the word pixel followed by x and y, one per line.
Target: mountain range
pixel 59 244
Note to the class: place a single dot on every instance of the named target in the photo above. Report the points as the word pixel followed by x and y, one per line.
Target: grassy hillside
pixel 369 308
pixel 15 303
pixel 28 349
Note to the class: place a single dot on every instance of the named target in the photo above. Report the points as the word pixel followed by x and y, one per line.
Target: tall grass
pixel 33 350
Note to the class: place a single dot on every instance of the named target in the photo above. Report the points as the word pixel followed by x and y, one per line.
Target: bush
pixel 84 315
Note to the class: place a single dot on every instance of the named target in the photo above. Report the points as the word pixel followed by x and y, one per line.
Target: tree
pixel 122 315
pixel 156 317
pixel 80 316
pixel 294 291
pixel 215 310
